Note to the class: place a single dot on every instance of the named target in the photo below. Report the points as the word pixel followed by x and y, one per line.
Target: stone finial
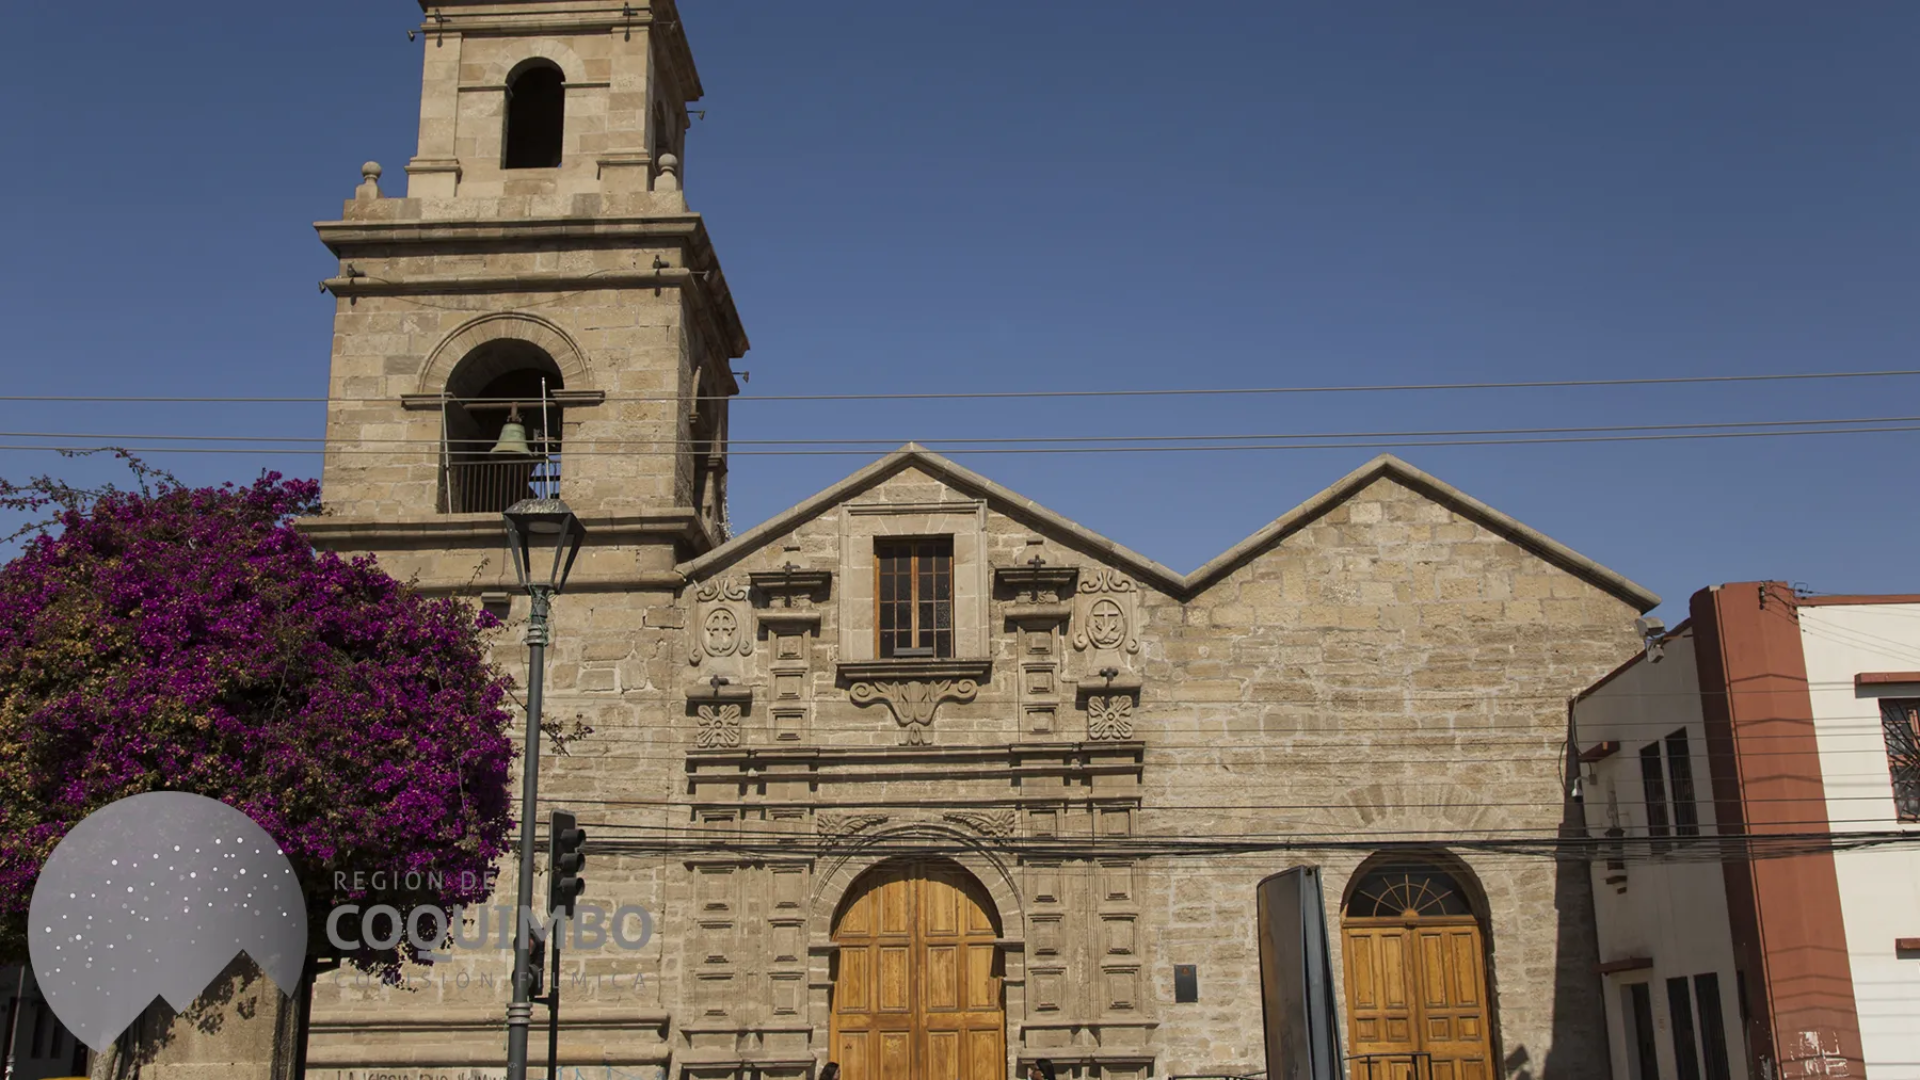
pixel 669 178
pixel 369 181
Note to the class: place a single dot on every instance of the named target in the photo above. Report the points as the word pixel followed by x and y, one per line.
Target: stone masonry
pixel 1388 661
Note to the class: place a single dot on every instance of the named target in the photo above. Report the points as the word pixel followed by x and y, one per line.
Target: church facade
pixel 919 776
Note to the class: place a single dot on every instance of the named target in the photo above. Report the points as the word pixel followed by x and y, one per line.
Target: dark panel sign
pixel 1296 979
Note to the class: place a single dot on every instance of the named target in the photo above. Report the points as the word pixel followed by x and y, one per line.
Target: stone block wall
pixel 1389 670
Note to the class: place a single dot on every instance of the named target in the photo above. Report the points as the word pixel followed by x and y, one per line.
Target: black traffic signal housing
pixel 564 860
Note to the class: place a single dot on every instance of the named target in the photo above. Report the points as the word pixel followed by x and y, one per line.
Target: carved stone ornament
pixel 994 823
pixel 723 630
pixel 1107 622
pixel 913 703
pixel 835 828
pixel 1110 717
pixel 719 727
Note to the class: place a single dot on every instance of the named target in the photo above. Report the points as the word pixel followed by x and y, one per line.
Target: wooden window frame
pixel 938 642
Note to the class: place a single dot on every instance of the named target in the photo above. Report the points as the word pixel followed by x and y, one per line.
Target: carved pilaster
pixel 790 637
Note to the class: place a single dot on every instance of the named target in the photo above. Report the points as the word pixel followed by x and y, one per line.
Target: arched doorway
pixel 1416 965
pixel 917 976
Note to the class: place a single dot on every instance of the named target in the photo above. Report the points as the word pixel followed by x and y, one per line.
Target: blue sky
pixel 1117 195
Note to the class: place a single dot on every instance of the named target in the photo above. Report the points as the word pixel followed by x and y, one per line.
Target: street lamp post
pixel 535 527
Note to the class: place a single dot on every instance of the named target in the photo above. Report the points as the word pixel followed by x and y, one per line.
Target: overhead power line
pixel 1532 384
pixel 1387 444
pixel 1009 439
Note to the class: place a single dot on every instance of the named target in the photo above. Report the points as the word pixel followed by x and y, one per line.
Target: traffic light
pixel 564 860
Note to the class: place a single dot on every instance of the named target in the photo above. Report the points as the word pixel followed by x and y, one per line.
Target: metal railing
pixel 490 484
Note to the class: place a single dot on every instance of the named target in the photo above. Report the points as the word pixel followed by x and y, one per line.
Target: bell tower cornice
pixel 378 258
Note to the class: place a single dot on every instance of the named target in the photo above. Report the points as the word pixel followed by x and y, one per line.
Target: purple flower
pixel 191 640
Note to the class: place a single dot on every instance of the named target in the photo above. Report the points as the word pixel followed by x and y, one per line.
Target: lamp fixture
pixel 535 527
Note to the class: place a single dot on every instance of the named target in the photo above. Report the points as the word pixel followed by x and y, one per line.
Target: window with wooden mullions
pixel 915 595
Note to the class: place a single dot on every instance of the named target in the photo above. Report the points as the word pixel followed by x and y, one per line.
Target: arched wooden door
pixel 1416 979
pixel 916 990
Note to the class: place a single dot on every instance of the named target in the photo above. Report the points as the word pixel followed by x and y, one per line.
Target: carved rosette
pixel 913 703
pixel 1109 717
pixel 1106 613
pixel 723 628
pixel 719 727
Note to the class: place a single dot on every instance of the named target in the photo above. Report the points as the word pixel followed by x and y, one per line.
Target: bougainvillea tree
pixel 182 639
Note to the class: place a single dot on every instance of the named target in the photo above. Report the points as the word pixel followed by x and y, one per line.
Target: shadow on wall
pixel 1580 1047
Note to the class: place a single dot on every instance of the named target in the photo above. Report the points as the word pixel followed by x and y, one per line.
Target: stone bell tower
pixel 540 313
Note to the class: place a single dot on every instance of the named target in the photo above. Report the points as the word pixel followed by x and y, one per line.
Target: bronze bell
pixel 513 436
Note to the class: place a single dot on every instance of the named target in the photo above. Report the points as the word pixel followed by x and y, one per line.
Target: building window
pixel 536 116
pixel 1713 1026
pixel 1680 1011
pixel 1686 813
pixel 915 592
pixel 1900 721
pixel 1643 1059
pixel 1653 781
pixel 1666 775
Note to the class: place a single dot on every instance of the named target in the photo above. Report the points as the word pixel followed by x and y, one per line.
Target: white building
pixel 1753 785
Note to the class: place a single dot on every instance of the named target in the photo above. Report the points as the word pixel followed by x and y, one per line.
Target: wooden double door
pixel 1417 999
pixel 917 986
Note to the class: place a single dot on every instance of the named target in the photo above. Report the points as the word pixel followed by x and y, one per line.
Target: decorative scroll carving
pixel 1106 579
pixel 721 589
pixel 723 630
pixel 913 703
pixel 719 727
pixel 837 828
pixel 995 823
pixel 1109 717
pixel 1106 620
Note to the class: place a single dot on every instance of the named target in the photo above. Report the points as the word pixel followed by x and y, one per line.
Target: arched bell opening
pixel 502 427
pixel 1418 984
pixel 918 975
pixel 536 116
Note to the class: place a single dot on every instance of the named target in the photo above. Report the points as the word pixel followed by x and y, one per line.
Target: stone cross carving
pixel 723 630
pixel 1106 620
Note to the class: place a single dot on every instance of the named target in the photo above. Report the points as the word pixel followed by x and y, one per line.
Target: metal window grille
pixel 1900 722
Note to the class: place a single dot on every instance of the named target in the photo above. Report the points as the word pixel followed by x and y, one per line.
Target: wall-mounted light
pixel 1652 632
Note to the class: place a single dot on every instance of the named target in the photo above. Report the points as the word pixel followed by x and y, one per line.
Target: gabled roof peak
pixel 1182 586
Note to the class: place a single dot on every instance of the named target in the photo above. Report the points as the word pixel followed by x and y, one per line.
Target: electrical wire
pixel 977 451
pixel 487 444
pixel 1678 380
